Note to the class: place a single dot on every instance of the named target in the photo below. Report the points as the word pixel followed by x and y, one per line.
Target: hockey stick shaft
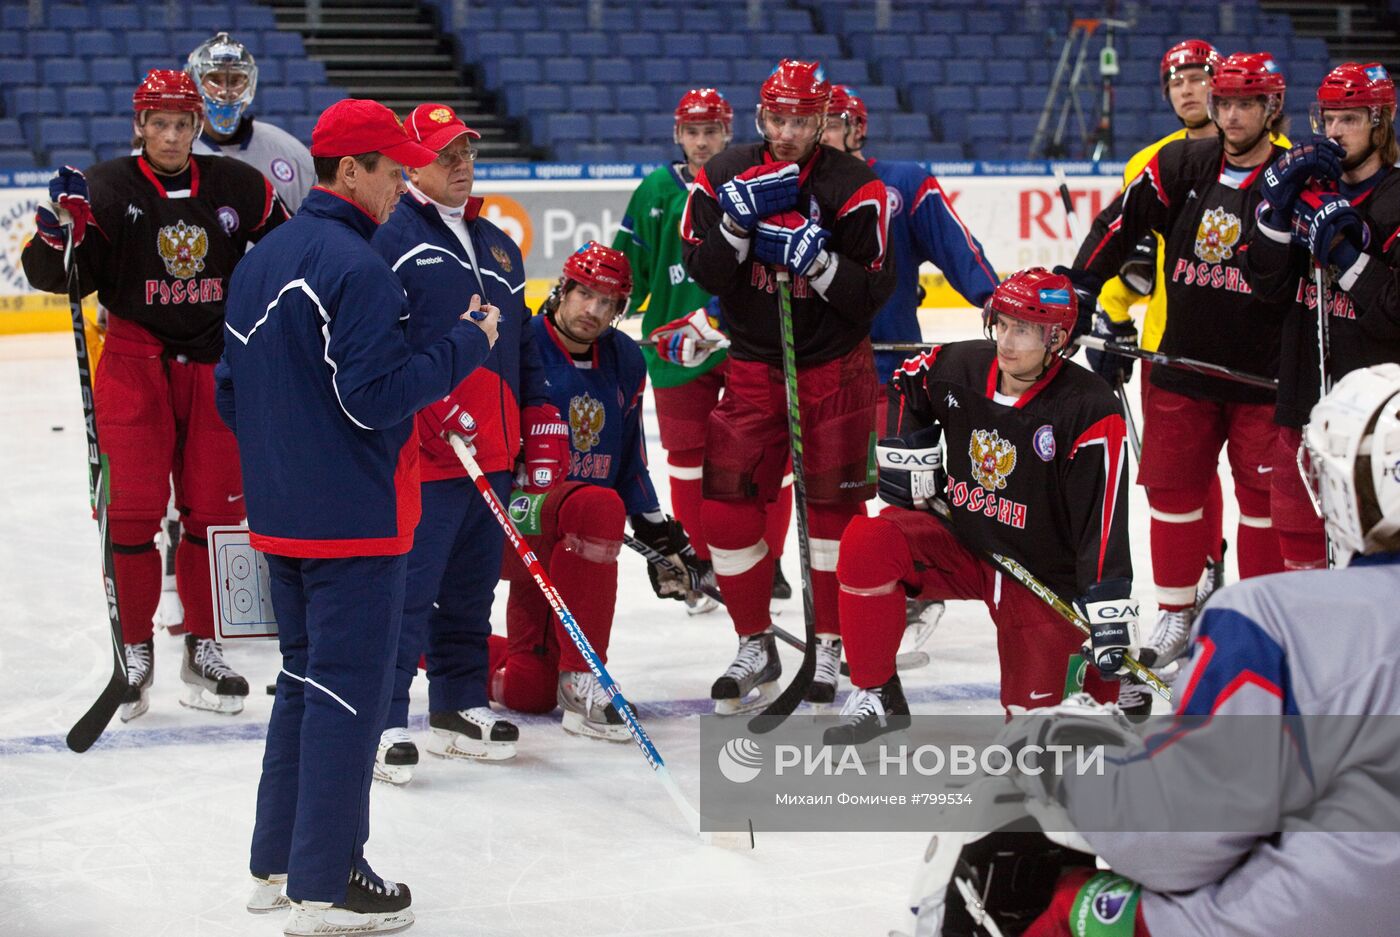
pixel 94 722
pixel 907 661
pixel 1133 436
pixel 795 691
pixel 571 626
pixel 1206 368
pixel 1324 377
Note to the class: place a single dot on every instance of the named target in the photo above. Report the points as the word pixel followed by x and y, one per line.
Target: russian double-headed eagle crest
pixel 1217 236
pixel 585 421
pixel 993 458
pixel 182 247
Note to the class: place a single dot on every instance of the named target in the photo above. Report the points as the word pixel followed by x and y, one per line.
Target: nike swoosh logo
pixel 233 498
pixel 1039 695
pixel 1264 470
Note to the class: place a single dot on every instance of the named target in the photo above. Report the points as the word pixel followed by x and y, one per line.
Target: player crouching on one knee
pixel 596 376
pixel 1035 470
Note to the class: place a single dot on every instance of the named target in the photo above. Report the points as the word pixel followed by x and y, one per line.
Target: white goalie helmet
pixel 1352 458
pixel 231 90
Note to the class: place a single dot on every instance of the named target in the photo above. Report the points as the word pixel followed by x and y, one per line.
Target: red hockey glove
pixel 679 341
pixel 447 416
pixel 546 450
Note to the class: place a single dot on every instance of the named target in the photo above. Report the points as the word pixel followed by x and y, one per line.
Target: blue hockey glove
pixel 1104 363
pixel 1331 228
pixel 758 192
pixel 1283 181
pixel 791 241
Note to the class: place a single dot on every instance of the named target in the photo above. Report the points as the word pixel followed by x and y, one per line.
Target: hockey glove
pixel 68 194
pixel 911 468
pixel 680 341
pixel 668 538
pixel 1112 614
pixel 546 449
pixel 1283 181
pixel 791 241
pixel 1139 271
pixel 1331 228
pixel 758 192
pixel 1087 286
pixel 447 416
pixel 1104 363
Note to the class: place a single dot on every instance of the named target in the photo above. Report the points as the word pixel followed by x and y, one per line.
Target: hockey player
pixel 787 203
pixel 1036 471
pixel 923 228
pixel 1201 196
pixel 1185 82
pixel 321 385
pixel 227 77
pixel 686 379
pixel 1262 675
pixel 158 242
pixel 596 375
pixel 442 250
pixel 1322 189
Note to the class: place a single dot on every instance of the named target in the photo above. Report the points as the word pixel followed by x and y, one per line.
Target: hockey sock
pixel 778 518
pixel 583 566
pixel 1214 520
pixel 826 523
pixel 1258 544
pixel 192 580
pixel 136 569
pixel 743 565
pixel 1302 549
pixel 685 468
pixel 1180 544
pixel 874 560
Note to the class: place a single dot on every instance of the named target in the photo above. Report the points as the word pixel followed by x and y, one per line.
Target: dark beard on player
pixel 1352 162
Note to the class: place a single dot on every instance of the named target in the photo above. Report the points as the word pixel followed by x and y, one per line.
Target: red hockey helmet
pixel 602 270
pixel 167 90
pixel 1192 53
pixel 705 106
pixel 846 104
pixel 1247 75
pixel 1355 85
pixel 1037 296
pixel 796 88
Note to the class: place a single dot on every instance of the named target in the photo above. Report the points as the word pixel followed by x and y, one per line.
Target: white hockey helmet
pixel 1353 459
pixel 224 108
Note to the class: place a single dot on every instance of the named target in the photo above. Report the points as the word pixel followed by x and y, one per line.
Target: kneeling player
pixel 596 376
pixel 1036 471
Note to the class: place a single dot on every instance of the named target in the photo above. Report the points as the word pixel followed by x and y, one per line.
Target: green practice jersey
pixel 650 237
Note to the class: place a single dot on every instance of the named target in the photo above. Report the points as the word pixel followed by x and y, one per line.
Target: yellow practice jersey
pixel 1117 297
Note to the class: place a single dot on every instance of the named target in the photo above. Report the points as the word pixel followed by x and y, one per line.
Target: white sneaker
pixel 269 893
pixel 396 757
pixel 587 710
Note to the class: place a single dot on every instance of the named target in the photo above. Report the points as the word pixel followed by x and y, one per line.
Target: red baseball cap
pixel 354 126
pixel 436 125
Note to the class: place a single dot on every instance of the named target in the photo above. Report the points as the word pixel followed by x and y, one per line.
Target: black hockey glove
pixel 1104 363
pixel 668 538
pixel 1112 614
pixel 1087 286
pixel 1139 271
pixel 911 468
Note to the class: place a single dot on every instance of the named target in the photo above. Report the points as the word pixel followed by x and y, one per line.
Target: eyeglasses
pixel 449 158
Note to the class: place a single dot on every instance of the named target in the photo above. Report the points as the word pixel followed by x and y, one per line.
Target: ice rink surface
pixel 147 834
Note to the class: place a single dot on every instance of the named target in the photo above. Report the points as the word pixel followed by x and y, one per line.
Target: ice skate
pixel 140 674
pixel 587 711
pixel 269 893
pixel 876 713
pixel 170 613
pixel 756 669
pixel 476 733
pixel 822 689
pixel 396 757
pixel 210 684
pixel 781 589
pixel 1211 580
pixel 1134 698
pixel 700 603
pixel 371 906
pixel 921 618
pixel 1169 637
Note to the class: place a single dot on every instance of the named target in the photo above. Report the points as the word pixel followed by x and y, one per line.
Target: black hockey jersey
pixel 162 257
pixel 838 192
pixel 1364 320
pixel 1204 209
pixel 1043 478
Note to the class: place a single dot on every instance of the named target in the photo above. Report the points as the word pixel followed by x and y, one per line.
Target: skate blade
pixel 704 606
pixel 766 693
pixel 916 635
pixel 911 660
pixel 575 724
pixel 130 711
pixel 445 743
pixel 199 698
pixel 397 775
pixel 313 922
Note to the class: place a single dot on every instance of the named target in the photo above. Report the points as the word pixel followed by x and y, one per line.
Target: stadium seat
pixel 947 22
pixel 18 72
pixel 561 126
pixel 84 100
pixel 637 98
pixel 69 71
pixel 611 71
pixel 67 16
pixel 911 127
pixel 149 43
pixel 709 72
pixel 660 20
pixel 996 97
pixel 589 99
pixel 544 43
pixel 62 132
pixel 658 127
pixel 589 44
pixel 22 102
pixel 79 157
pixel 248 17
pixel 727 45
pixel 318 99
pixel 113 72
pixel 295 71
pixel 109 131
pixel 656 71
pixel 42 42
pixel 617 128
pixel 279 43
pixel 15 158
pixel 569 71
pixel 119 16
pixel 282 100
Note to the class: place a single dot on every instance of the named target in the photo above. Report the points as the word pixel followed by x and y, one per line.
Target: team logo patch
pixel 183 246
pixel 1217 236
pixel 1044 442
pixel 1110 903
pixel 993 458
pixel 1377 73
pixel 228 219
pixel 894 199
pixel 501 257
pixel 441 115
pixel 16 227
pixel 586 417
pixel 519 508
pixel 282 170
